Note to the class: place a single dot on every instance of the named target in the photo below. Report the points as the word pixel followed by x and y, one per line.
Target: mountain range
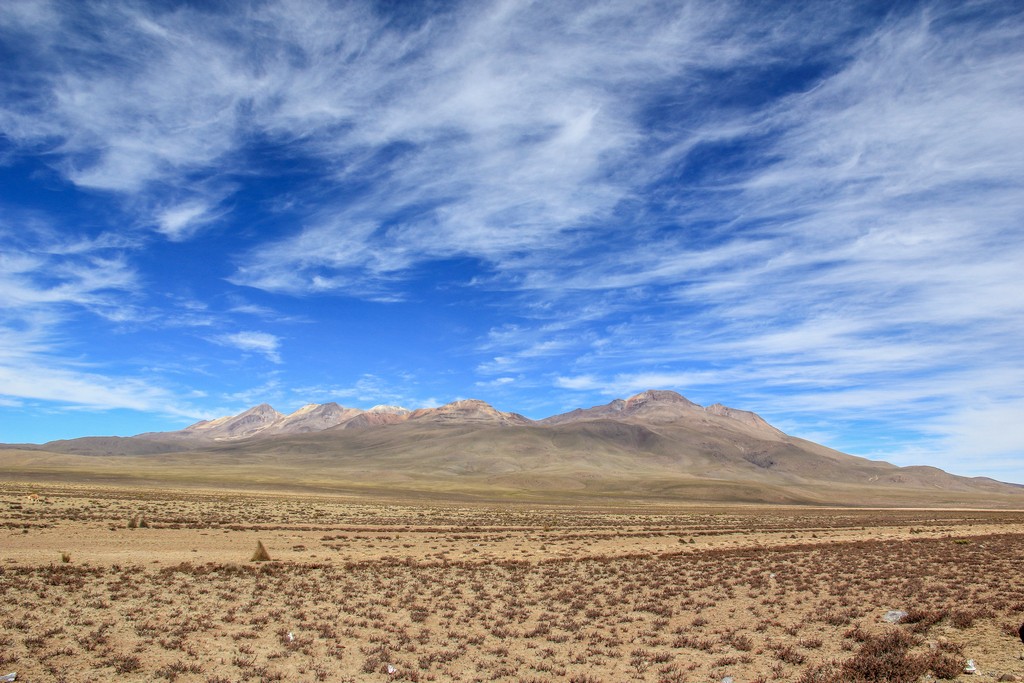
pixel 654 446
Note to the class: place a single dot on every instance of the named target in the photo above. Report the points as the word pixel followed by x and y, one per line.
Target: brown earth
pixel 114 583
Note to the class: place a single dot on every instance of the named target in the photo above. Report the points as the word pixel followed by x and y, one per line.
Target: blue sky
pixel 813 212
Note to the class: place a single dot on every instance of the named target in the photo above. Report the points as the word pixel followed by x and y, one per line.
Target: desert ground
pixel 133 584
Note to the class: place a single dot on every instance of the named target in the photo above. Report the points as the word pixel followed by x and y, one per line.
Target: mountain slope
pixel 656 445
pixel 241 426
pixel 469 411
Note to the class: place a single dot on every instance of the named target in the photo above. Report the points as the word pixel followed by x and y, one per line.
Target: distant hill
pixel 655 446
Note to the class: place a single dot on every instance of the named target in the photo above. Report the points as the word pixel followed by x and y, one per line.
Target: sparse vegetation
pixel 359 591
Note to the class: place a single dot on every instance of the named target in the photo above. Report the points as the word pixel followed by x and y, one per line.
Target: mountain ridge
pixel 655 445
pixel 264 420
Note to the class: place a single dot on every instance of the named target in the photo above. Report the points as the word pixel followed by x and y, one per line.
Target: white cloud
pixel 502 149
pixel 486 131
pixel 91 390
pixel 497 382
pixel 47 279
pixel 587 382
pixel 255 342
pixel 369 390
pixel 42 269
pixel 182 221
pixel 984 430
pixel 623 385
pixel 270 390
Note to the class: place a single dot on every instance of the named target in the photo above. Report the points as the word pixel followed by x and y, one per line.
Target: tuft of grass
pixel 65 557
pixel 261 554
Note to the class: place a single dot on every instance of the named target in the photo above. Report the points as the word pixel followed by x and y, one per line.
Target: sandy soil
pixel 140 585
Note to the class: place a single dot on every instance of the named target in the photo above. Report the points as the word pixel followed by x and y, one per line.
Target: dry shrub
pixel 857 634
pixel 125 664
pixel 920 620
pixel 823 673
pixel 966 618
pixel 742 642
pixel 790 655
pixel 946 667
pixel 887 659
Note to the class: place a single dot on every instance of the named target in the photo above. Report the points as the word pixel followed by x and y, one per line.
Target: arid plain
pixel 139 584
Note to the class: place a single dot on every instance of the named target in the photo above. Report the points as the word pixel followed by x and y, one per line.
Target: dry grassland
pixel 112 584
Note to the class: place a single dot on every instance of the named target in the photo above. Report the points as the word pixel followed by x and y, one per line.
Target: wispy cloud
pixel 48 279
pixel 369 390
pixel 42 268
pixel 66 297
pixel 463 137
pixel 92 390
pixel 181 221
pixel 269 390
pixel 262 343
pixel 479 146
